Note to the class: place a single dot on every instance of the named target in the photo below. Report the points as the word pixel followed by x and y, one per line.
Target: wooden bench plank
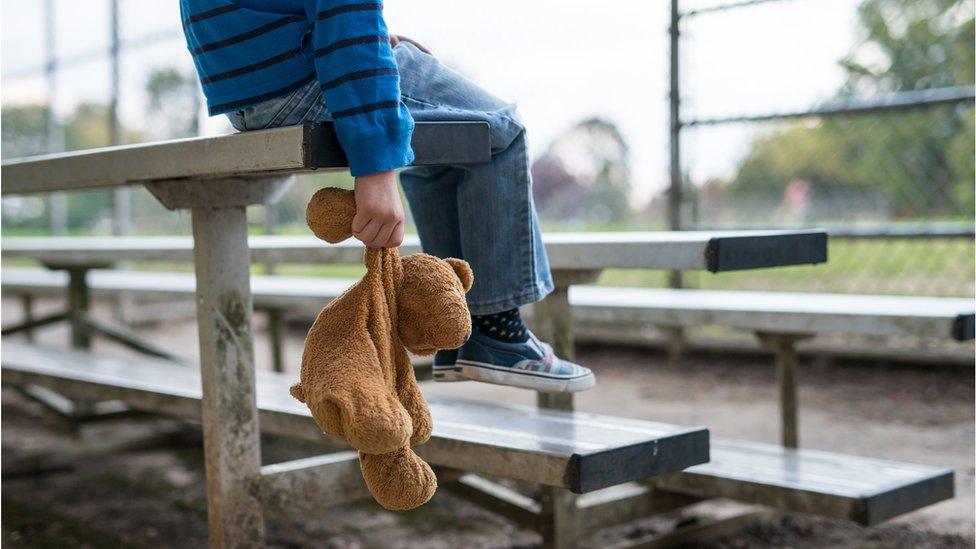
pixel 780 312
pixel 865 490
pixel 714 251
pixel 574 450
pixel 264 153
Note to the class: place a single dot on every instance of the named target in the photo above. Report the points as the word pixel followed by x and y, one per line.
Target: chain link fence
pixel 885 163
pixel 884 159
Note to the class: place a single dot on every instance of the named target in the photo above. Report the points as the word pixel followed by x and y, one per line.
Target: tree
pixel 174 101
pixel 584 174
pixel 24 134
pixel 23 130
pixel 911 163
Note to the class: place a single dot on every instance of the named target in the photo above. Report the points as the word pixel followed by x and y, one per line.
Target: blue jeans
pixel 483 214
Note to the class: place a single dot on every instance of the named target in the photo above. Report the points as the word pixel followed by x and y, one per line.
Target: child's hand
pixel 379 213
pixel 397 38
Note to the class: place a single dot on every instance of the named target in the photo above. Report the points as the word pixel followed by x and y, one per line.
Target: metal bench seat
pixel 308 294
pixel 715 251
pixel 950 318
pixel 864 490
pixel 780 320
pixel 579 451
pixel 258 154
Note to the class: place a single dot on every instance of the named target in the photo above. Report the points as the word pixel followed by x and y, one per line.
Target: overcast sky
pixel 560 60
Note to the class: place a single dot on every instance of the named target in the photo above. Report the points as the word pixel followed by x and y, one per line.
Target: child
pixel 270 63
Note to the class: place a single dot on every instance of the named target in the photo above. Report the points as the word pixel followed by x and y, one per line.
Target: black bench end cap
pixel 599 469
pixel 434 144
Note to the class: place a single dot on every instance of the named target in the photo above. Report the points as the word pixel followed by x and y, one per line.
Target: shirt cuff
pixel 378 153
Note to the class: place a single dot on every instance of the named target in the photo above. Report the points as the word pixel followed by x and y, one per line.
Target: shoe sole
pixel 465 370
pixel 447 373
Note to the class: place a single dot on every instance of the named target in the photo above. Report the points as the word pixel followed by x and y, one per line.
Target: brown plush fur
pixel 356 377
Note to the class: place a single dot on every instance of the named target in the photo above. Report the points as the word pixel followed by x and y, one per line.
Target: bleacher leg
pixel 231 434
pixel 276 323
pixel 784 347
pixel 553 317
pixel 79 303
pixel 27 306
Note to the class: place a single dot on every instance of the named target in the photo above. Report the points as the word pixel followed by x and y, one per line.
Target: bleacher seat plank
pixel 865 490
pixel 574 450
pixel 780 312
pixel 264 153
pixel 715 251
pixel 307 294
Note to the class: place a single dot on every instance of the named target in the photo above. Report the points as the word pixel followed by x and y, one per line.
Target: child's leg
pixel 483 214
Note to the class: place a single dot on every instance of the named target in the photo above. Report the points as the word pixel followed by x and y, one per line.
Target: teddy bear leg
pixel 399 480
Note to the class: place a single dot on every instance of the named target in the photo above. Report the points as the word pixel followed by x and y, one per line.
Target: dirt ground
pixel 155 497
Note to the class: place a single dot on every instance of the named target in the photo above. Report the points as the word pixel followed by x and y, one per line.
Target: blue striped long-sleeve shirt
pixel 248 51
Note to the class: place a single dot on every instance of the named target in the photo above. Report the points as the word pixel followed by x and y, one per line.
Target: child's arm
pixel 358 75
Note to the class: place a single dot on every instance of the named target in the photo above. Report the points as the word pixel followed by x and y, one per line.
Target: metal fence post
pixel 674 106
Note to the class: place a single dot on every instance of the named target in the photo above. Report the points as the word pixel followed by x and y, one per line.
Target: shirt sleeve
pixel 358 75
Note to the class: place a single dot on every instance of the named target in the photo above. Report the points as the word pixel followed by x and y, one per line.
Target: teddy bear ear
pixel 329 214
pixel 463 271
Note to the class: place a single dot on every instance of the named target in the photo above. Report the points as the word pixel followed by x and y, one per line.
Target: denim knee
pixel 506 127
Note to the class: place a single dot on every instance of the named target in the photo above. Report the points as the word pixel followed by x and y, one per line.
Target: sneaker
pixel 529 365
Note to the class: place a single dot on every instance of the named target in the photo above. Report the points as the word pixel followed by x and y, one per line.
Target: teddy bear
pixel 356 377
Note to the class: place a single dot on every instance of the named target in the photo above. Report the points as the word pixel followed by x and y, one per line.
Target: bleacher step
pixel 575 450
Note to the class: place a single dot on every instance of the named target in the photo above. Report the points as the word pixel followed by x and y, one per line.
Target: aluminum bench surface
pixel 294 292
pixel 579 451
pixel 781 311
pixel 714 251
pixel 761 311
pixel 264 153
pixel 864 490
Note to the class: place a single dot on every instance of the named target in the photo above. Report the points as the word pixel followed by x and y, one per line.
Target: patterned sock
pixel 504 326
